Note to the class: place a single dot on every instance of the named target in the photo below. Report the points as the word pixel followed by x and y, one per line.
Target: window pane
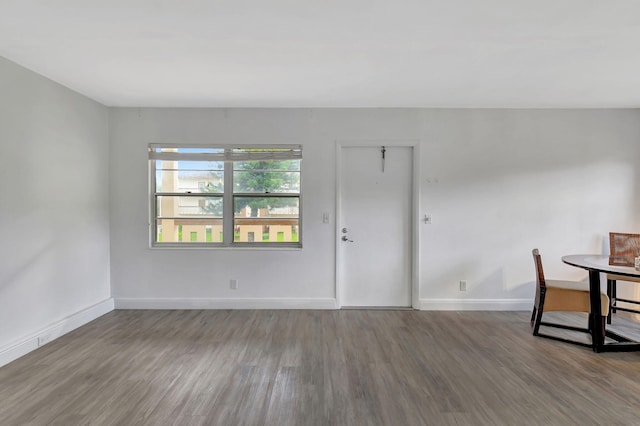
pixel 190 176
pixel 266 207
pixel 263 177
pixel 265 182
pixel 284 165
pixel 188 230
pixel 174 206
pixel 266 230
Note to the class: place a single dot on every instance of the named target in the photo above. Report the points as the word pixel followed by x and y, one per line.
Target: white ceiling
pixel 332 53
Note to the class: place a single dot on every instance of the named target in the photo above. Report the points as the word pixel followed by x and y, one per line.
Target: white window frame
pixel 293 152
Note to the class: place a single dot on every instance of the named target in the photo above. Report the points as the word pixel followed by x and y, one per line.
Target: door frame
pixel 415 210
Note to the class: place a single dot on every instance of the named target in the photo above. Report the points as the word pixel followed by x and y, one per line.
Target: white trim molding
pixel 223 303
pixel 476 304
pixel 53 331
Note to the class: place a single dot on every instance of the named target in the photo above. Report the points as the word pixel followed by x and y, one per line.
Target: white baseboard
pixel 476 304
pixel 293 303
pixel 53 331
pixel 215 303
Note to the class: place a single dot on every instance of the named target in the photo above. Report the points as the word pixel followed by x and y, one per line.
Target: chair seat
pixel 622 278
pixel 571 296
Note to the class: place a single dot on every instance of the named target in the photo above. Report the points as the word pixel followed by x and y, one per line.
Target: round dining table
pixel 596 264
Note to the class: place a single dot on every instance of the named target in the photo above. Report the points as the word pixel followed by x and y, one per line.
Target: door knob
pixel 344 238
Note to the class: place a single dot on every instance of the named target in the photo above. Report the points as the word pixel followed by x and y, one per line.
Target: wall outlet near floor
pixel 233 284
pixel 463 285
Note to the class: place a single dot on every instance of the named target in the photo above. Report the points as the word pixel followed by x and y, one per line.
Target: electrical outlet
pixel 233 284
pixel 463 285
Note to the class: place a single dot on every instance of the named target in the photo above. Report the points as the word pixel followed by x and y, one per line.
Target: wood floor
pixel 350 367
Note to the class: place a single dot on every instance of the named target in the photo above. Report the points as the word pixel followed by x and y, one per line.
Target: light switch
pixel 325 217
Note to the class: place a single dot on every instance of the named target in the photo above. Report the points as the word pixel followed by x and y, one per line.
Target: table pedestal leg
pixel 597 332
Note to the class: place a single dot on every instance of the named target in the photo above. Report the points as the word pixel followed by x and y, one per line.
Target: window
pixel 246 195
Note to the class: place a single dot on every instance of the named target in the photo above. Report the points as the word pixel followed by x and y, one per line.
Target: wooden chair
pixel 558 295
pixel 623 248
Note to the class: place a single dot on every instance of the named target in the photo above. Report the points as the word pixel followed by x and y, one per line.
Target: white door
pixel 374 229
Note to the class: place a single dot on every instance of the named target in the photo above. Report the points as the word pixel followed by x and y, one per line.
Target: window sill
pixel 224 247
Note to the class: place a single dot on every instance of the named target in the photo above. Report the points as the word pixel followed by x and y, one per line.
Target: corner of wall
pixel 53 331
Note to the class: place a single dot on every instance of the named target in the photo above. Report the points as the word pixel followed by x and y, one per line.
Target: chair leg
pixel 611 292
pixel 533 316
pixel 536 326
pixel 590 323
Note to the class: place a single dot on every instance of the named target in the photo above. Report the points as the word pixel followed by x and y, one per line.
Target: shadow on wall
pixel 444 283
pixel 11 275
pixel 497 279
pixel 492 284
pixel 488 285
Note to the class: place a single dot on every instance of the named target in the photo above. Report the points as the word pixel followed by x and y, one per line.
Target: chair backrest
pixel 624 248
pixel 541 284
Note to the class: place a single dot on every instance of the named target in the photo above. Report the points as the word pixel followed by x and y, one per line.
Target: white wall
pixel 497 182
pixel 512 180
pixel 54 217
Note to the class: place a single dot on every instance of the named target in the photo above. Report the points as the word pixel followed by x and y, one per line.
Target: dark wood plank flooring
pixel 350 367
